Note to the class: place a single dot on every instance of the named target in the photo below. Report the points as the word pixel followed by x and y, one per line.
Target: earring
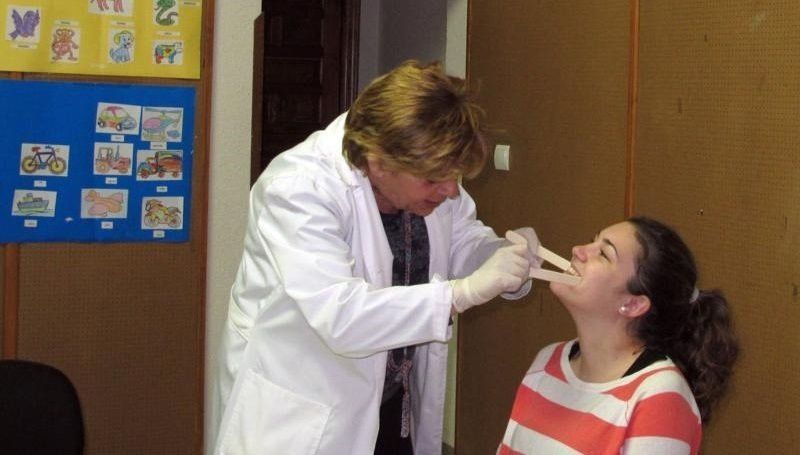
pixel 623 309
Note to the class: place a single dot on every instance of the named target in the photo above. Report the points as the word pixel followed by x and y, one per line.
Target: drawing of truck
pixel 163 162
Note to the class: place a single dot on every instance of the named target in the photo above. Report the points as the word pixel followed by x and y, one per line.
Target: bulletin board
pixel 158 38
pixel 95 162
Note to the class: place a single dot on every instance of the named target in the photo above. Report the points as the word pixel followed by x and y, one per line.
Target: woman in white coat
pixel 360 246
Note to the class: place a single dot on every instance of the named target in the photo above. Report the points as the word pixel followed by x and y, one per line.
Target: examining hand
pixel 533 244
pixel 505 271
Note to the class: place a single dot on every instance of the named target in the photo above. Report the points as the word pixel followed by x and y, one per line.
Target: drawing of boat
pixel 31 204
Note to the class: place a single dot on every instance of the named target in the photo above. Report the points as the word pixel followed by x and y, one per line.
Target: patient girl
pixel 652 358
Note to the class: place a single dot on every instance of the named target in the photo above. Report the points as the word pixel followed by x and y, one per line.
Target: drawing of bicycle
pixel 42 159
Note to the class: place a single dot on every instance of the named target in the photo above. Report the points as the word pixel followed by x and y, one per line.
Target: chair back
pixel 40 412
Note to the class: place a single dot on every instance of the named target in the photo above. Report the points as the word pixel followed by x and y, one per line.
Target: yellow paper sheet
pixel 145 38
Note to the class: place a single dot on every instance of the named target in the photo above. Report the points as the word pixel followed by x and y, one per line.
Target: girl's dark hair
pixel 697 334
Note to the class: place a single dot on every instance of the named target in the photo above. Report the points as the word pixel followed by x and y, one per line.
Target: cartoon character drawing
pixel 155 128
pixel 42 159
pixel 32 204
pixel 157 213
pixel 116 117
pixel 63 43
pixel 103 205
pixel 124 42
pixel 102 5
pixel 25 25
pixel 108 159
pixel 162 6
pixel 167 51
pixel 163 162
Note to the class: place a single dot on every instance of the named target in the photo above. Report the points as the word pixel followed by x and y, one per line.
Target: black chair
pixel 39 410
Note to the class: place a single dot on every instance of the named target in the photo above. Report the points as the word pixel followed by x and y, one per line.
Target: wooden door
pixel 307 51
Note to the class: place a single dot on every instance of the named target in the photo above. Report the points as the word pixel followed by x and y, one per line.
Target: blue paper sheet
pixel 91 162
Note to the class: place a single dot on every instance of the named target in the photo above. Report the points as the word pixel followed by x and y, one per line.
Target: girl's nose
pixel 579 252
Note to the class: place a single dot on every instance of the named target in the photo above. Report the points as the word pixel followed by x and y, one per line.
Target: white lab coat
pixel 312 314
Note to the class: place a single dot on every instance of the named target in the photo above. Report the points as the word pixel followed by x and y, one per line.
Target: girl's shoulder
pixel 550 355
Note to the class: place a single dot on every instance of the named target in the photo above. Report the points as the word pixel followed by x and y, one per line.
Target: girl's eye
pixel 603 254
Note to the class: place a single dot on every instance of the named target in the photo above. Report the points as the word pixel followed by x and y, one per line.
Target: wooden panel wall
pixel 124 321
pixel 553 80
pixel 713 137
pixel 717 157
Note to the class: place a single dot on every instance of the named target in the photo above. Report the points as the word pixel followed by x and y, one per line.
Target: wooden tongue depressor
pixel 549 256
pixel 549 275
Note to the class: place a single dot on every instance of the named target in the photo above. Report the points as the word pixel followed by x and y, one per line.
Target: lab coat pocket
pixel 267 418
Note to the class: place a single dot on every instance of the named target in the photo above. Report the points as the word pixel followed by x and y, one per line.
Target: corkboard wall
pixel 2 292
pixel 553 81
pixel 123 322
pixel 713 153
pixel 717 157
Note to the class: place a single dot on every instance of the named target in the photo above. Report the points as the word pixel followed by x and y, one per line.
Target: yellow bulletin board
pixel 146 38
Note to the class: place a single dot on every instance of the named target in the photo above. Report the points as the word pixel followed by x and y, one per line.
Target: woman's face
pixel 396 190
pixel 605 266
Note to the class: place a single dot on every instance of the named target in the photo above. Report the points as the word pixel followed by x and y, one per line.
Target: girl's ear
pixel 636 306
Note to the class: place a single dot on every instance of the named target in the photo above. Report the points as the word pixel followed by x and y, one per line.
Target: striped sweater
pixel 651 411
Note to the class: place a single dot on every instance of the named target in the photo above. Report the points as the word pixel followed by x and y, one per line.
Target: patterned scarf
pixel 408 239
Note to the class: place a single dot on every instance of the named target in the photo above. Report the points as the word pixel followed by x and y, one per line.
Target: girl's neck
pixel 605 358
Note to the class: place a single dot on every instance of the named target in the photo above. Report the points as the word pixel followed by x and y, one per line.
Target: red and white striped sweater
pixel 651 411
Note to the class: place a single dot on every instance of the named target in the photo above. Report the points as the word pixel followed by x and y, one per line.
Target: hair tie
pixel 695 295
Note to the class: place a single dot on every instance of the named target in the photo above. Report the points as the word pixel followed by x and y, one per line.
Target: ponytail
pixel 692 327
pixel 706 349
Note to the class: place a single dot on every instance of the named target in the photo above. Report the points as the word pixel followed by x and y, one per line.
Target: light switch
pixel 501 157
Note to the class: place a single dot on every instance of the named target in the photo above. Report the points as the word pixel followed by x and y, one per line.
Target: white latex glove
pixel 533 245
pixel 505 271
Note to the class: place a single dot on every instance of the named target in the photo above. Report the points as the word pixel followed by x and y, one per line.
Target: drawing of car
pixel 116 117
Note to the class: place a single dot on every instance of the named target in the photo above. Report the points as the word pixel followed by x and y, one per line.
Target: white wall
pixel 455 63
pixel 229 179
pixel 368 42
pixel 411 29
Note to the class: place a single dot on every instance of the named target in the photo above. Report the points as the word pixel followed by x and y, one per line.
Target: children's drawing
pixel 65 44
pixel 104 203
pixel 112 157
pixel 44 160
pixel 111 7
pixel 118 118
pixel 168 52
pixel 22 24
pixel 120 45
pixel 165 12
pixel 159 164
pixel 160 124
pixel 34 203
pixel 162 212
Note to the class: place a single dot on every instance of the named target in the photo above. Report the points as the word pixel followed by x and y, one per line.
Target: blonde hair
pixel 419 120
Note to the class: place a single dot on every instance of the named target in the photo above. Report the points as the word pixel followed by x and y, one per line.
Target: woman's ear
pixel 374 167
pixel 636 306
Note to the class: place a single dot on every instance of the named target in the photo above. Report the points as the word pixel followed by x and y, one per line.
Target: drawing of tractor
pixel 108 158
pixel 163 162
pixel 157 213
pixel 42 159
pixel 155 128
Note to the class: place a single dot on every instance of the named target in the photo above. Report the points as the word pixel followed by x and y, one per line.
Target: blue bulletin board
pixel 92 162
